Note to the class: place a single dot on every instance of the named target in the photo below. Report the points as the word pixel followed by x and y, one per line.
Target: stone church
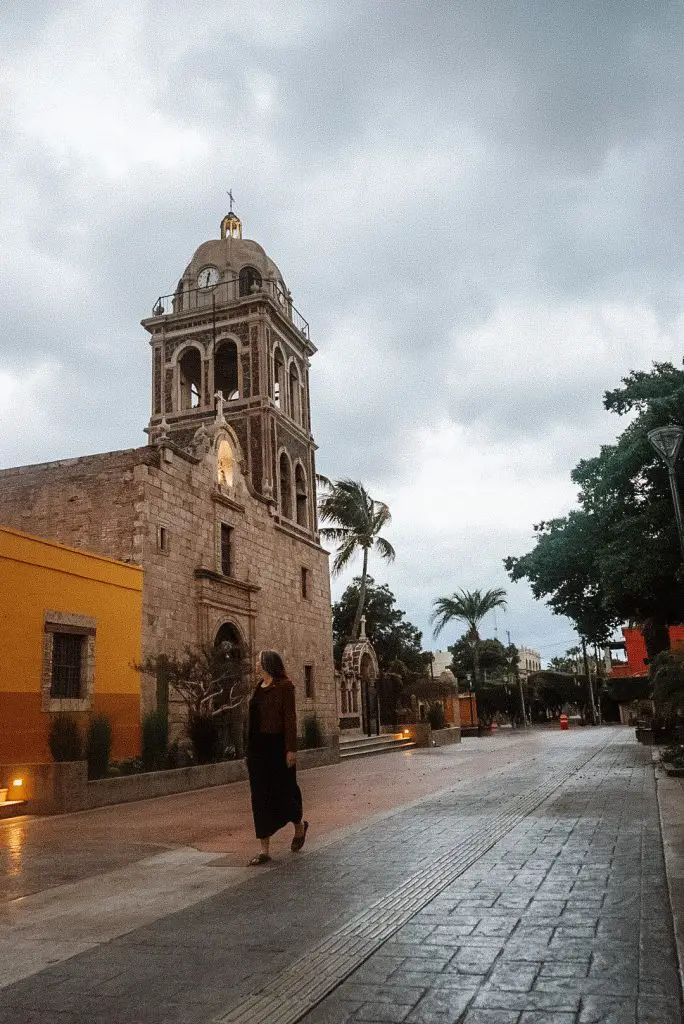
pixel 219 507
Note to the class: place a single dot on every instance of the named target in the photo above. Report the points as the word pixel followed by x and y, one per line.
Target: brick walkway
pixel 563 919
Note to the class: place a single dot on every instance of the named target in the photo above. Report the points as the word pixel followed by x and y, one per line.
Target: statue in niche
pixel 224 464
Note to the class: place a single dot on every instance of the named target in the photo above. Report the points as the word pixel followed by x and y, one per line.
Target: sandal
pixel 261 858
pixel 298 841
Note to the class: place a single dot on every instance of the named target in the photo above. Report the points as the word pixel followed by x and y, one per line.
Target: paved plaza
pixel 509 880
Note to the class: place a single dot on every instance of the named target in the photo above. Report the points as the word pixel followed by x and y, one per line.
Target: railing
pixel 187 300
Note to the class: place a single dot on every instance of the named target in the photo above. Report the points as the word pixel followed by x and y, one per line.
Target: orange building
pixel 637 655
pixel 70 624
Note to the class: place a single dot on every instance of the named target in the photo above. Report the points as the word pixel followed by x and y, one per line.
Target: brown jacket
pixel 277 712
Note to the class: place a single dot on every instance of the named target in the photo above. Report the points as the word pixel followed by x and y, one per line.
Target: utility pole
pixel 588 675
pixel 520 688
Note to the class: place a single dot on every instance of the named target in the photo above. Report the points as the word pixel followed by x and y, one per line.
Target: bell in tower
pixel 229 346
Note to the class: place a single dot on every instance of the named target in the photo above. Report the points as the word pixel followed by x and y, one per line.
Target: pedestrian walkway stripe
pixel 300 987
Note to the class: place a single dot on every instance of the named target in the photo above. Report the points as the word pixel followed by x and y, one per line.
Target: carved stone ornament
pixel 202 441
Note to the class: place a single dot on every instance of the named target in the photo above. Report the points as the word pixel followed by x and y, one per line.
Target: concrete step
pixel 11 808
pixel 362 746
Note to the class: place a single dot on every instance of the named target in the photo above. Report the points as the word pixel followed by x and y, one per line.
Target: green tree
pixel 616 557
pixel 469 607
pixel 394 638
pixel 356 521
pixel 492 654
pixel 567 662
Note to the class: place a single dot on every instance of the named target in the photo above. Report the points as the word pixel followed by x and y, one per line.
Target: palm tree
pixel 469 606
pixel 356 524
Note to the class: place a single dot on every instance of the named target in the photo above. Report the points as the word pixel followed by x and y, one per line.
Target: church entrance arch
pixel 232 669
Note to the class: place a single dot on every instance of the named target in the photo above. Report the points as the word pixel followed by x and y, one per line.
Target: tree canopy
pixel 469 607
pixel 393 637
pixel 495 659
pixel 616 557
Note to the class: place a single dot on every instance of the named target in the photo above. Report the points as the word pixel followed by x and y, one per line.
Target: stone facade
pixel 219 507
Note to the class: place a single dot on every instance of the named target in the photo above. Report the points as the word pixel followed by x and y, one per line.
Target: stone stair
pixel 12 808
pixel 362 746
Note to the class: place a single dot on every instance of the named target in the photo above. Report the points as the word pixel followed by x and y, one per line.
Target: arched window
pixel 190 379
pixel 226 371
pixel 294 393
pixel 285 486
pixel 230 665
pixel 249 281
pixel 301 497
pixel 278 379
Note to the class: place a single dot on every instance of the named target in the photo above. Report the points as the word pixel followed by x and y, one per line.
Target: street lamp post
pixel 667 441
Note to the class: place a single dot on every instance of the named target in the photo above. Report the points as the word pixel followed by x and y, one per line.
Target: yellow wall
pixel 38 575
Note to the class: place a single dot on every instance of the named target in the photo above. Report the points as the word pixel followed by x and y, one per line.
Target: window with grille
pixel 305 582
pixel 226 550
pixel 67 664
pixel 308 681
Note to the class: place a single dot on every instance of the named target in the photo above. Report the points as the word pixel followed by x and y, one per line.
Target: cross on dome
pixel 231 225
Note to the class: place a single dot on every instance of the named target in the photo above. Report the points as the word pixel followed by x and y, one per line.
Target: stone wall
pixel 88 503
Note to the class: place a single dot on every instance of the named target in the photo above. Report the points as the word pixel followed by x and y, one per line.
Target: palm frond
pixel 469 606
pixel 385 549
pixel 344 555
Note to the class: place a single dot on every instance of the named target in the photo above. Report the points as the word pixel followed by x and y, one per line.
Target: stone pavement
pixel 531 891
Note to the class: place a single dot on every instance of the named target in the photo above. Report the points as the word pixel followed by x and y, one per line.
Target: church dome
pixel 231 255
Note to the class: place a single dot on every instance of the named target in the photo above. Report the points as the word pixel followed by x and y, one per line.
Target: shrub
pixel 155 740
pixel 64 739
pixel 674 755
pixel 98 746
pixel 205 735
pixel 312 735
pixel 129 766
pixel 436 715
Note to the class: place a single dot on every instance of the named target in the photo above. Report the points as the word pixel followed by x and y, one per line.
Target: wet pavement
pixel 512 879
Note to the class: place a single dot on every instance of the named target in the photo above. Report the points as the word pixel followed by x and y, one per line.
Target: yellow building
pixel 70 627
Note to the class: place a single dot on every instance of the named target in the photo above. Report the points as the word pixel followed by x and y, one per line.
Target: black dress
pixel 276 797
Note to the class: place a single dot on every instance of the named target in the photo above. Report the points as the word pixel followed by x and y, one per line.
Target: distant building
pixel 529 661
pixel 441 661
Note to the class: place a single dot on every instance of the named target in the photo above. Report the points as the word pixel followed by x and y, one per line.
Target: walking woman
pixel 272 756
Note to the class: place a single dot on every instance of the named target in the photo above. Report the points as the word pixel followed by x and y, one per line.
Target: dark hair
pixel 272 663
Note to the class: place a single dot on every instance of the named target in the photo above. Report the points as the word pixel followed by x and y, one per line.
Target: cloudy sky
pixel 477 206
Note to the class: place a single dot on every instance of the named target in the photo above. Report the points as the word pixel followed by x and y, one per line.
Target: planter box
pixel 443 737
pixel 49 788
pixel 423 735
pixel 677 773
pixel 60 787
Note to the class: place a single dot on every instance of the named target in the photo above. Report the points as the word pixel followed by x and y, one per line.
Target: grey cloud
pixel 556 136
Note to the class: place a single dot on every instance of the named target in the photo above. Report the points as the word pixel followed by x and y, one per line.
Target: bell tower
pixel 230 346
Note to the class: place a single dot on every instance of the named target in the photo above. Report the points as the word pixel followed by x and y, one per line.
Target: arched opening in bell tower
pixel 249 281
pixel 285 486
pixel 301 496
pixel 190 379
pixel 295 411
pixel 279 379
pixel 226 377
